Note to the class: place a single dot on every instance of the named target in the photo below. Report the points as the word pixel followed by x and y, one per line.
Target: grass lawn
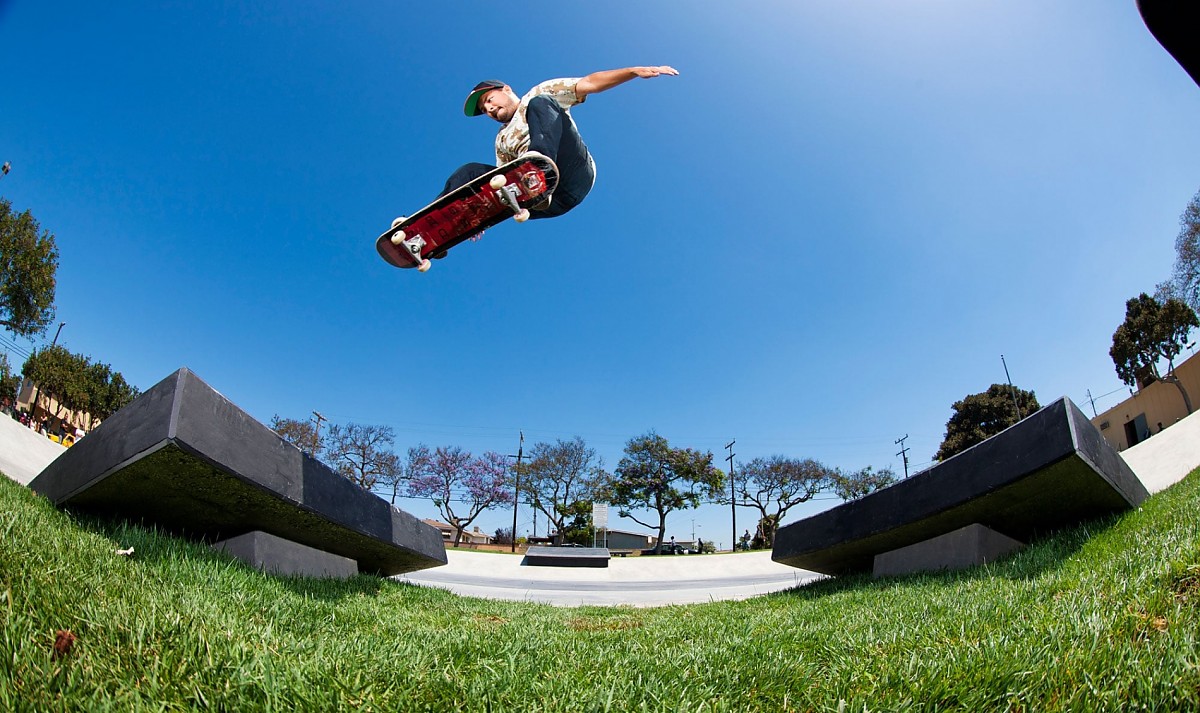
pixel 1102 617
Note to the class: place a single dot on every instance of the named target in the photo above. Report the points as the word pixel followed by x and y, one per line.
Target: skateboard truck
pixel 508 195
pixel 412 246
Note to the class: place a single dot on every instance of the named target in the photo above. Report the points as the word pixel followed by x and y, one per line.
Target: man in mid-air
pixel 540 122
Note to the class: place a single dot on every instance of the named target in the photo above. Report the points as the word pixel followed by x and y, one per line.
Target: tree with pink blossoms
pixel 460 485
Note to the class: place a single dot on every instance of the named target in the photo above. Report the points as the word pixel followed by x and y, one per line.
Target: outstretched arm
pixel 609 78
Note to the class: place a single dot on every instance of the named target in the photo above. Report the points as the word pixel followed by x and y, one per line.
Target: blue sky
pixel 814 240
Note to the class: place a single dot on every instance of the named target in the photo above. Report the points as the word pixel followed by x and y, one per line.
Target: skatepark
pixel 637 581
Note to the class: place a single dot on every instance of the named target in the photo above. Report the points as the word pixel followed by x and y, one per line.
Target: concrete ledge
pixel 184 458
pixel 566 557
pixel 1051 470
pixel 1167 457
pixel 966 547
pixel 276 555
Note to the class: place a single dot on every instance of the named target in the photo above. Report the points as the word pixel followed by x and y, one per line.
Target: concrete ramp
pixel 1050 471
pixel 184 458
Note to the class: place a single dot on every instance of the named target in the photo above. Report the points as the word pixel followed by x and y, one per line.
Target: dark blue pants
pixel 552 132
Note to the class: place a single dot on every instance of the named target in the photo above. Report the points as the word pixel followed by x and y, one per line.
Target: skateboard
pixel 508 190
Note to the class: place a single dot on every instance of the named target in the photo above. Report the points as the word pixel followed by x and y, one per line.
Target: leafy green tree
pixel 78 384
pixel 116 395
pixel 655 477
pixel 777 484
pixel 1152 331
pixel 576 527
pixel 60 374
pixel 1185 277
pixel 856 484
pixel 560 480
pixel 28 263
pixel 9 382
pixel 980 416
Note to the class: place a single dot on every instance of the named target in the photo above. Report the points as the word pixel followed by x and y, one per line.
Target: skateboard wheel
pixel 498 181
pixel 398 237
pixel 424 266
pixel 521 216
pixel 399 220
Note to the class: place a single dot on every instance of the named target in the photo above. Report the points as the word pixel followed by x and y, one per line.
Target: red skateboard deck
pixel 509 190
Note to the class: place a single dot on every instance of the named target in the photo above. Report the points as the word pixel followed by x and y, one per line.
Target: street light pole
pixel 1011 390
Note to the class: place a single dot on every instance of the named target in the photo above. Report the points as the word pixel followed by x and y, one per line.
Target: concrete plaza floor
pixel 631 581
pixel 23 451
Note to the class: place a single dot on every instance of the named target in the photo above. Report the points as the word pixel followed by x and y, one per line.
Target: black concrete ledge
pixel 566 557
pixel 1050 471
pixel 184 458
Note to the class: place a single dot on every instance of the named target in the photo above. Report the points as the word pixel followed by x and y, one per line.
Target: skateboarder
pixel 540 121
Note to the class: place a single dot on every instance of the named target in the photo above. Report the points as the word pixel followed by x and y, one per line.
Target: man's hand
pixel 599 81
pixel 648 72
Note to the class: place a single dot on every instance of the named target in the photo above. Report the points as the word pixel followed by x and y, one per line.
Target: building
pixel 1152 408
pixel 622 540
pixel 58 419
pixel 469 537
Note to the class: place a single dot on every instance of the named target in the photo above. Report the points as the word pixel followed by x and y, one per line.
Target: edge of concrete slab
pixel 185 458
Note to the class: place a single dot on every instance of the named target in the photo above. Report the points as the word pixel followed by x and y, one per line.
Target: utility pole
pixel 904 452
pixel 1010 387
pixel 1093 402
pixel 319 419
pixel 517 488
pixel 732 492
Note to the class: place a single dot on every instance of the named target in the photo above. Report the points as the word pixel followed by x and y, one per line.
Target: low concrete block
pixel 566 557
pixel 269 553
pixel 1050 471
pixel 184 458
pixel 965 547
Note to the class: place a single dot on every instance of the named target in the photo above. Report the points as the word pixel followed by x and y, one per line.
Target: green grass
pixel 1102 617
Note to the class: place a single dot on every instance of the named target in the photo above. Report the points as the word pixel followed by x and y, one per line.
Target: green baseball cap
pixel 471 107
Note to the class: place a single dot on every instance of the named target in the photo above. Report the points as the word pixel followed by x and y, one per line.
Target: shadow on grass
pixel 1047 553
pixel 191 559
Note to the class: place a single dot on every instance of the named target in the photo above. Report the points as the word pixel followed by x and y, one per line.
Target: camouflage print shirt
pixel 513 139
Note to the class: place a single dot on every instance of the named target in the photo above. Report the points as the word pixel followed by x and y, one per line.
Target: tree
pixel 108 392
pixel 559 478
pixel 576 524
pixel 9 382
pixel 59 374
pixel 78 384
pixel 980 416
pixel 451 477
pixel 503 536
pixel 301 434
pixel 28 263
pixel 854 485
pixel 1152 331
pixel 1185 277
pixel 361 453
pixel 656 477
pixel 777 484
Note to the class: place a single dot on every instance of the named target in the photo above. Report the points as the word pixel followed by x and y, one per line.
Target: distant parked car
pixel 669 548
